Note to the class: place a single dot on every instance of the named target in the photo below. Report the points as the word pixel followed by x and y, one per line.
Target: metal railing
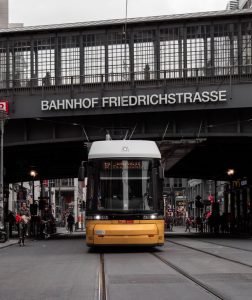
pixel 174 77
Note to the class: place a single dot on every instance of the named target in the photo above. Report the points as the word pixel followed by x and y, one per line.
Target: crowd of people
pixel 41 225
pixel 27 224
pixel 209 222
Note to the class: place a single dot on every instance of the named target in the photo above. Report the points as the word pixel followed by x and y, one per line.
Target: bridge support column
pixel 2 120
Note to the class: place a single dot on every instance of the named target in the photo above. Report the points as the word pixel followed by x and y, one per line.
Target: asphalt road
pixel 60 268
pixel 64 268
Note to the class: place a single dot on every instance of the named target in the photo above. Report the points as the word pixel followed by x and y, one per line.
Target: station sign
pixel 168 99
pixel 4 106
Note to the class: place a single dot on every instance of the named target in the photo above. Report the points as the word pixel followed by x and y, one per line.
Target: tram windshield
pixel 121 185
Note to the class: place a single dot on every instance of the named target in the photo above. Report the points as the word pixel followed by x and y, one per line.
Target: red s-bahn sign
pixel 4 106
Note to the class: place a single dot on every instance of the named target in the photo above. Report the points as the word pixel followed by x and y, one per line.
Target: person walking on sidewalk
pixel 70 222
pixel 188 224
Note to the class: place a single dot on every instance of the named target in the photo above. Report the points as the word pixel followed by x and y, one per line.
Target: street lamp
pixel 33 174
pixel 230 172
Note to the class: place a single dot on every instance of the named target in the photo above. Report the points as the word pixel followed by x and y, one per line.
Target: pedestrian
pixel 70 222
pixel 23 220
pixel 170 222
pixel 11 220
pixel 210 221
pixel 188 224
pixel 167 218
pixel 223 223
pixel 47 222
pixel 147 72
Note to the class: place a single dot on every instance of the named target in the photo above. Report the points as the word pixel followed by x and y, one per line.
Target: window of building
pixel 177 182
pixel 44 60
pixel 3 65
pixel 171 53
pixel 144 54
pixel 198 58
pixel 225 49
pixel 118 57
pixel 94 58
pixel 20 63
pixel 70 59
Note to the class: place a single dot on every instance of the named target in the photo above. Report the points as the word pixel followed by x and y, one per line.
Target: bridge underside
pixel 208 159
pixel 212 158
pixel 194 144
pixel 50 160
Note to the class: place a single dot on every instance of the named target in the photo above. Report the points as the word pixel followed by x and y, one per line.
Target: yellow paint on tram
pixel 125 232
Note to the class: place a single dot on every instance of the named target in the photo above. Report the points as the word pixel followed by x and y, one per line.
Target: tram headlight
pixel 97 217
pixel 150 217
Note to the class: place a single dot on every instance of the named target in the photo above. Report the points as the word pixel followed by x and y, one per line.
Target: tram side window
pixel 91 190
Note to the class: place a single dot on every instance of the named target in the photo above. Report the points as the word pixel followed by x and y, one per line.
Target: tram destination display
pixel 119 165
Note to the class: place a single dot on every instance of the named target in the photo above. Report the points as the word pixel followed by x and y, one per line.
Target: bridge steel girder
pixel 28 124
pixel 182 125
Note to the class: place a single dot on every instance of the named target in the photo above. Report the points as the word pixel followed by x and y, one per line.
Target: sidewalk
pixel 8 243
pixel 180 231
pixel 63 230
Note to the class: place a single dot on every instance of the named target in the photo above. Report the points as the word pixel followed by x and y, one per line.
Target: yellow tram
pixel 124 194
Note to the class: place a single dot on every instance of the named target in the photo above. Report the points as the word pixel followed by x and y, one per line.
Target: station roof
pixel 174 17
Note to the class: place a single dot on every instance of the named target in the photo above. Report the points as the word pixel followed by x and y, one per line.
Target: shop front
pixel 238 204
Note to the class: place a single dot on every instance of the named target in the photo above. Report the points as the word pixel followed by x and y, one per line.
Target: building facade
pixel 243 4
pixel 62 195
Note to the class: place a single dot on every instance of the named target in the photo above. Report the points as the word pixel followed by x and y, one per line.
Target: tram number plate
pixel 125 221
pixel 100 232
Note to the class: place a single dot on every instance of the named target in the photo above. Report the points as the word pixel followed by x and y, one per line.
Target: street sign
pixel 4 106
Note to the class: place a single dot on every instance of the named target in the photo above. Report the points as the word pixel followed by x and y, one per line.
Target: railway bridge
pixel 181 80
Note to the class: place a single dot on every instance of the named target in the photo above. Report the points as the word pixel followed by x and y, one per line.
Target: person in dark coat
pixel 70 222
pixel 11 220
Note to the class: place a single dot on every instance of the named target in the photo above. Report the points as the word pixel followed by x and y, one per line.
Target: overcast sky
pixel 40 12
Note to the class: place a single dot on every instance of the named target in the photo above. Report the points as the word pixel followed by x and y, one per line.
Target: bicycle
pixel 46 229
pixel 22 233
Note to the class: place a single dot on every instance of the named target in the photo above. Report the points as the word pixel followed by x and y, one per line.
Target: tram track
pixel 204 286
pixel 217 244
pixel 209 253
pixel 102 293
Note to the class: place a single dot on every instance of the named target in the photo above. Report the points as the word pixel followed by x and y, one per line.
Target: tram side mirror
pixel 161 172
pixel 82 171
